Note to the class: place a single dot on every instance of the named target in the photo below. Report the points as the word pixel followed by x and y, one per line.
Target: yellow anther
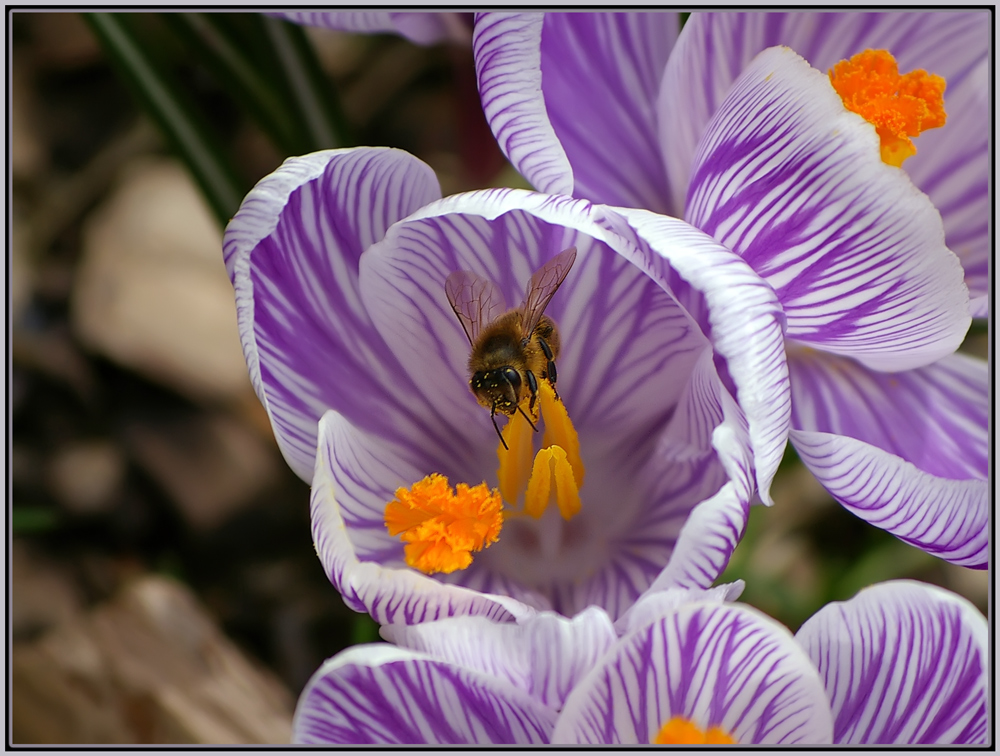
pixel 899 106
pixel 682 731
pixel 515 460
pixel 440 527
pixel 559 430
pixel 551 464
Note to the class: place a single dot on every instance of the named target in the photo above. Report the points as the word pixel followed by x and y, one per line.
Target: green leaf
pixel 364 630
pixel 179 120
pixel 25 520
pixel 221 43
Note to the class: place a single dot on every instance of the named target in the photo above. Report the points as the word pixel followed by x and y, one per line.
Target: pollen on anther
pixel 682 731
pixel 440 527
pixel 899 106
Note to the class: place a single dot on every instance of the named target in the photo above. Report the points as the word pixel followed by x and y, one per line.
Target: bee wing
pixel 476 300
pixel 542 287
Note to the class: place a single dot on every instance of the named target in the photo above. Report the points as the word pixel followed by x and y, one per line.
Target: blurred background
pixel 163 586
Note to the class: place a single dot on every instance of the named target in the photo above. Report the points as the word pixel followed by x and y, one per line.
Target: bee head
pixel 499 388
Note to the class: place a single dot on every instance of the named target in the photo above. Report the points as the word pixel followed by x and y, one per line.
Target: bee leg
pixel 525 416
pixel 532 388
pixel 550 368
pixel 493 417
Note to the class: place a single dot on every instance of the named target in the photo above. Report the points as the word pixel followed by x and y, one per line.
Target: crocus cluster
pixel 901 663
pixel 554 585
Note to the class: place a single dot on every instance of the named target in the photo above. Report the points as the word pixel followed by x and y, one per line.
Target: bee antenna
pixel 493 417
pixel 527 418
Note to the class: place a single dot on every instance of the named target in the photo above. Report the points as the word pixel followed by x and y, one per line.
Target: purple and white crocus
pixel 901 663
pixel 339 261
pixel 749 143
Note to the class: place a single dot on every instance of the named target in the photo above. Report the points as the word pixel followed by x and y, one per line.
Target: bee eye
pixel 512 377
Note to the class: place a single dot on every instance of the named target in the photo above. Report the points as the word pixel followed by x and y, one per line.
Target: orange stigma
pixel 899 106
pixel 440 527
pixel 681 731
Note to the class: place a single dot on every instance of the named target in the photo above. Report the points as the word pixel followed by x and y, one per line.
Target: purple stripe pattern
pixel 945 437
pixel 600 76
pixel 713 664
pixel 946 518
pixel 379 694
pixel 903 663
pixel 546 654
pixel 951 164
pixel 793 183
pixel 292 253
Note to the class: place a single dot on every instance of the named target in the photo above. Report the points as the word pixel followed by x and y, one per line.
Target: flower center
pixel 681 731
pixel 441 528
pixel 557 470
pixel 899 106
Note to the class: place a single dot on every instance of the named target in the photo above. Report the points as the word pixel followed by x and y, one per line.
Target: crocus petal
pixel 740 312
pixel 946 518
pixel 545 655
pixel 600 76
pixel 714 664
pixel 903 663
pixel 793 182
pixel 571 100
pixel 657 603
pixel 507 48
pixel 422 28
pixel 292 253
pixel 381 694
pixel 951 164
pixel 936 417
pixel 360 470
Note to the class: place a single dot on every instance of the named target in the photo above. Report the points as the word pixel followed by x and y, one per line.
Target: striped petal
pixel 741 315
pixel 713 664
pixel 421 28
pixel 903 663
pixel 356 475
pixel 946 518
pixel 545 655
pixel 951 165
pixel 790 180
pixel 380 694
pixel 292 252
pixel 600 76
pixel 936 417
pixel 507 49
pixel 571 99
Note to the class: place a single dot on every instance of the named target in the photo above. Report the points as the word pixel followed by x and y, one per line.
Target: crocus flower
pixel 755 147
pixel 901 663
pixel 340 260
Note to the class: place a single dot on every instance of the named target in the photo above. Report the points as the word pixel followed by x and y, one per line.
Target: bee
pixel 511 350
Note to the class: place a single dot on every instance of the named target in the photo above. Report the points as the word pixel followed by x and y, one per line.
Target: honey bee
pixel 511 350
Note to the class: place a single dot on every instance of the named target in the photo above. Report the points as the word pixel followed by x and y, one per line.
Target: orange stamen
pixel 899 106
pixel 681 731
pixel 441 528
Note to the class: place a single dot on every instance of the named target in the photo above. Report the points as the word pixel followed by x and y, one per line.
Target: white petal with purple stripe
pixel 951 164
pixel 946 518
pixel 379 694
pixel 292 252
pixel 713 664
pixel 793 182
pixel 545 655
pixel 903 663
